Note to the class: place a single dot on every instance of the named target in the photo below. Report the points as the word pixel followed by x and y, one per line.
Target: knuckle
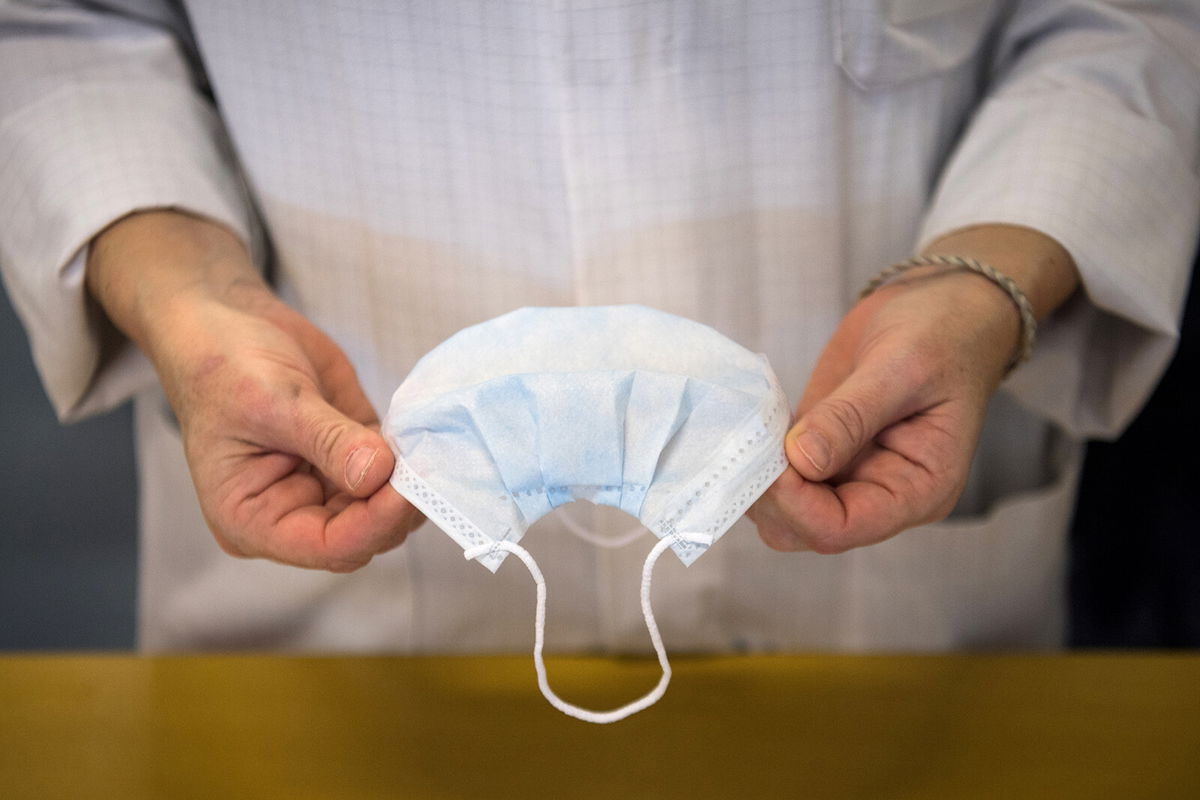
pixel 790 534
pixel 944 506
pixel 827 544
pixel 228 544
pixel 779 538
pixel 920 365
pixel 846 417
pixel 325 435
pixel 939 513
pixel 257 404
pixel 229 548
pixel 349 554
pixel 215 516
pixel 345 566
pixel 350 549
pixel 341 372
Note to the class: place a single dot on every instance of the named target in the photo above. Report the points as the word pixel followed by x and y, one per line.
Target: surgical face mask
pixel 624 406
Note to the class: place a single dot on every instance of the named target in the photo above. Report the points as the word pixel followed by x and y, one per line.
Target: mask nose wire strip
pixel 612 542
pixel 587 715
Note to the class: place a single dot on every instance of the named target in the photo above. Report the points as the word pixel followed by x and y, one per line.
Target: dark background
pixel 1135 546
pixel 68 527
pixel 68 542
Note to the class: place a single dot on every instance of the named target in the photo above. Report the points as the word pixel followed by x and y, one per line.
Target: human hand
pixel 888 424
pixel 282 444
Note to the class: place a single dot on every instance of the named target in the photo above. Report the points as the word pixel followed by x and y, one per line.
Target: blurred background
pixel 68 532
pixel 68 523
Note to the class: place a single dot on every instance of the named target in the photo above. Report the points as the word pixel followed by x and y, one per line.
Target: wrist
pixel 1040 267
pixel 957 266
pixel 988 262
pixel 146 268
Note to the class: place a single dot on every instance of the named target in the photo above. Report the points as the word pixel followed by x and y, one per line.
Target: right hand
pixel 282 444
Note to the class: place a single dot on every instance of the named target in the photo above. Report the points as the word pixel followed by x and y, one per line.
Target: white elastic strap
pixel 591 537
pixel 539 627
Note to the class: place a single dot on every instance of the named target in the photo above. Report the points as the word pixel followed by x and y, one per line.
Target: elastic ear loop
pixel 539 627
pixel 611 542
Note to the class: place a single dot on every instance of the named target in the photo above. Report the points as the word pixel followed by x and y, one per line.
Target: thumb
pixel 352 456
pixel 835 430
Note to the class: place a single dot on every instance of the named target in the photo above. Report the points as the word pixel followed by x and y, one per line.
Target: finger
pixel 340 536
pixel 315 536
pixel 335 374
pixel 889 494
pixel 345 392
pixel 936 442
pixel 773 523
pixel 352 456
pixel 838 427
pixel 806 515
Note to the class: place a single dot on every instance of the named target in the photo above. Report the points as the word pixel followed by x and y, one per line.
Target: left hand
pixel 888 424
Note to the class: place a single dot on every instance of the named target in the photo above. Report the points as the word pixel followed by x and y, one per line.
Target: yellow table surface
pixel 969 726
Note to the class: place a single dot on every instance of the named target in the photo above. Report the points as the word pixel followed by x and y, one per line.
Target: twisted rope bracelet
pixel 1028 323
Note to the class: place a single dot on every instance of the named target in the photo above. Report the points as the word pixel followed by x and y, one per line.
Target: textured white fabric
pixel 424 166
pixel 98 118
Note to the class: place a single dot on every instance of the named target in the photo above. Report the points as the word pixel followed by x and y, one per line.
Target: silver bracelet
pixel 1028 323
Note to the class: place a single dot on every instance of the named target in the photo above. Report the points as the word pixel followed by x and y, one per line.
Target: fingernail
pixel 357 465
pixel 815 448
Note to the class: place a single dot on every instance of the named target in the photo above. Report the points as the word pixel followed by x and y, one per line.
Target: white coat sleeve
pixel 101 114
pixel 1089 134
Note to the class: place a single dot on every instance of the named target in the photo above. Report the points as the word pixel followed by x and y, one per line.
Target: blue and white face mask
pixel 623 406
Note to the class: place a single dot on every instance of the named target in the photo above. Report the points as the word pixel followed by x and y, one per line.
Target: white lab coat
pixel 423 166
